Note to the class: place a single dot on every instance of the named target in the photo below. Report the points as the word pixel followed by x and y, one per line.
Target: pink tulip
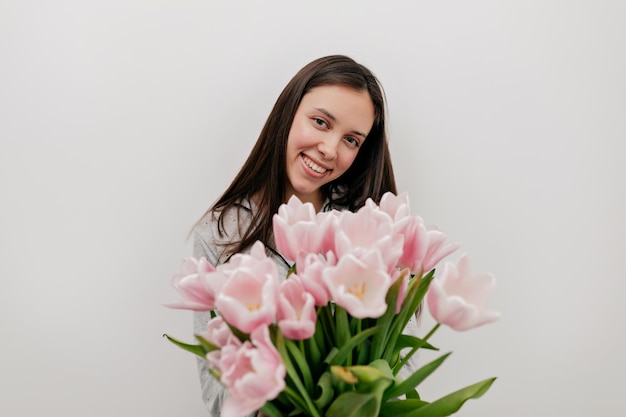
pixel 310 267
pixel 328 219
pixel 359 285
pixel 395 206
pixel 415 243
pixel 198 283
pixel 423 248
pixel 438 249
pixel 457 299
pixel 248 298
pixel 297 228
pixel 219 334
pixel 253 373
pixel 368 229
pixel 255 258
pixel 296 310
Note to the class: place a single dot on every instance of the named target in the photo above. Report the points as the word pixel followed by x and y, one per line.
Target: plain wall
pixel 122 121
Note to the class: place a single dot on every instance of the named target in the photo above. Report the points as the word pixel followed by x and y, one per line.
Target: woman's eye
pixel 353 141
pixel 320 122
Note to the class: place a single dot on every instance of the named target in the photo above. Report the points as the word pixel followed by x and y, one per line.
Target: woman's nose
pixel 328 147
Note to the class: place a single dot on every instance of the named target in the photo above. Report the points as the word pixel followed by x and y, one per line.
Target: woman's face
pixel 330 125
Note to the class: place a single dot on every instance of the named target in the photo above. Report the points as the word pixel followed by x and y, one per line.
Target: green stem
pixel 343 329
pixel 418 287
pixel 328 326
pixel 299 357
pixel 417 346
pixel 381 340
pixel 314 350
pixel 360 346
pixel 320 338
pixel 294 377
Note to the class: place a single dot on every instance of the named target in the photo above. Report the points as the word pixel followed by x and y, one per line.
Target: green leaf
pixel 283 402
pixel 405 341
pixel 331 355
pixel 372 379
pixel 301 362
pixel 398 365
pixel 325 388
pixel 327 324
pixel 270 410
pixel 295 398
pixel 238 333
pixel 302 393
pixel 338 358
pixel 383 367
pixel 380 339
pixel 413 395
pixel 208 346
pixel 366 401
pixel 355 404
pixel 451 403
pixel 415 378
pixel 363 355
pixel 313 351
pixel 343 327
pixel 400 407
pixel 415 294
pixel 318 348
pixel 195 349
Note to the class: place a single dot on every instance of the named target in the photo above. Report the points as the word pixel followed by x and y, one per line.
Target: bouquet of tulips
pixel 329 340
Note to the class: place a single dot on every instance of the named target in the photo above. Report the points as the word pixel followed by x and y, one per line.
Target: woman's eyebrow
pixel 327 113
pixel 334 119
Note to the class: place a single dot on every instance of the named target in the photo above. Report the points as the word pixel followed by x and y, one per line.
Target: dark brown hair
pixel 263 175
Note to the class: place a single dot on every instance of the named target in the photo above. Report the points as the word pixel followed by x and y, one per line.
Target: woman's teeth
pixel 314 166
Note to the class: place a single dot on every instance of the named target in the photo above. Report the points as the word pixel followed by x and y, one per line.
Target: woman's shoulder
pixel 225 225
pixel 217 230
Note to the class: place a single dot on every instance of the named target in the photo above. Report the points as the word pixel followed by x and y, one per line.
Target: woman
pixel 325 142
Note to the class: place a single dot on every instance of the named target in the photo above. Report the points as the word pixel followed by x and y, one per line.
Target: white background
pixel 122 121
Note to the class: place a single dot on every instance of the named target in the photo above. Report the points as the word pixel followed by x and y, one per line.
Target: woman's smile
pixel 316 168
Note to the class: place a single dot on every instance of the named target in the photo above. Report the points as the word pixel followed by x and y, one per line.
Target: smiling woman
pixel 323 142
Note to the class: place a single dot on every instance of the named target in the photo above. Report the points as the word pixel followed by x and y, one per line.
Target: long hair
pixel 264 172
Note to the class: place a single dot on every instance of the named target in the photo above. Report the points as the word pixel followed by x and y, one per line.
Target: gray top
pixel 208 242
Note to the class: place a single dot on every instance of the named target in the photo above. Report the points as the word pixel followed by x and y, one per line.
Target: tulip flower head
pixel 359 285
pixel 298 229
pixel 368 230
pixel 197 283
pixel 253 372
pixel 309 269
pixel 219 334
pixel 248 298
pixel 296 310
pixel 396 206
pixel 458 299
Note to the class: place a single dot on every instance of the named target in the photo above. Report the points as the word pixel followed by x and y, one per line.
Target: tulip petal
pixel 457 298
